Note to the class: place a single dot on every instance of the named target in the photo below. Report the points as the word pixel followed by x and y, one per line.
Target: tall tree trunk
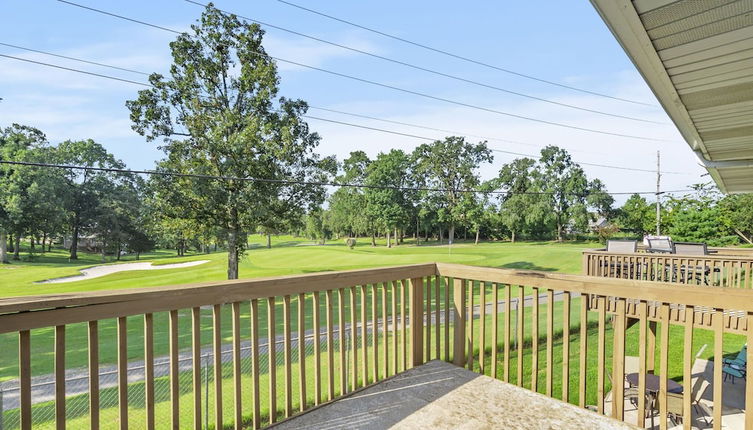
pixel 120 248
pixel 17 247
pixel 3 247
pixel 11 243
pixel 398 239
pixel 512 237
pixel 389 242
pixel 49 245
pixel 373 239
pixel 478 230
pixel 418 233
pixel 233 245
pixel 441 233
pixel 138 256
pixel 426 231
pixel 465 234
pixel 74 238
pixel 451 234
pixel 32 245
pixel 559 232
pixel 44 241
pixel 269 241
pixel 104 244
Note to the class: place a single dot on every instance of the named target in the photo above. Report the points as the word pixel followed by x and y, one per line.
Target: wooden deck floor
pixel 439 395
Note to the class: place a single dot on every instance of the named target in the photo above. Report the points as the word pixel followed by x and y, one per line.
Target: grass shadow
pixel 526 265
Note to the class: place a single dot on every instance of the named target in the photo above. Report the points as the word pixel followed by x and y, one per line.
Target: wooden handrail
pixel 413 298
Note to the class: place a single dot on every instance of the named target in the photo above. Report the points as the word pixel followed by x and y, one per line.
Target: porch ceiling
pixel 697 57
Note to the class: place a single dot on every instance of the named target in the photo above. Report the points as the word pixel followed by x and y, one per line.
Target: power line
pixel 343 122
pixel 536 157
pixel 461 57
pixel 76 70
pixel 404 90
pixel 433 71
pixel 110 66
pixel 285 182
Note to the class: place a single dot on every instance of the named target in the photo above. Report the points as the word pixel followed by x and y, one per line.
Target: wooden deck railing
pixel 553 333
pixel 727 269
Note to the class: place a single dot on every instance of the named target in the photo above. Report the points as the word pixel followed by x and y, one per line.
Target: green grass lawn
pixel 290 255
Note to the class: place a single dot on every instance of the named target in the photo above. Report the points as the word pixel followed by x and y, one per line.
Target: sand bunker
pixel 97 271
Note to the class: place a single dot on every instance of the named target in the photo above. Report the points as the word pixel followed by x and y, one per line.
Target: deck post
pixel 458 310
pixel 417 321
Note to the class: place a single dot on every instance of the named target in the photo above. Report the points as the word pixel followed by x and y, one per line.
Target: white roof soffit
pixel 697 57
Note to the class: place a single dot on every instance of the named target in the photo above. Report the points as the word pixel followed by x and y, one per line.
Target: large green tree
pixel 566 188
pixel 451 166
pixel 637 215
pixel 388 203
pixel 736 212
pixel 219 114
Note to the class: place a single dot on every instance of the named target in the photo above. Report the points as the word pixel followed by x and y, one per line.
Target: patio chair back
pixel 622 246
pixel 660 244
pixel 691 248
pixel 699 387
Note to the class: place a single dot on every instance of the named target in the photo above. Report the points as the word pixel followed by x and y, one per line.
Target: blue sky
pixel 559 41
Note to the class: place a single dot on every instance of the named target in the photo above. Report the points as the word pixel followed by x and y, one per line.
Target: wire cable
pixel 461 57
pixel 342 122
pixel 405 90
pixel 110 66
pixel 435 72
pixel 298 182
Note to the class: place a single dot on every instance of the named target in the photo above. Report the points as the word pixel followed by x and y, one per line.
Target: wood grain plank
pixel 565 346
pixel 123 373
pixel 459 316
pixel 315 312
pixel 272 360
pixel 495 328
pixel 287 359
pixel 174 369
pixel 330 348
pixel 217 355
pixel 583 345
pixel 237 387
pixel 149 370
pixel 255 370
pixel 93 342
pixel 196 366
pixel 60 420
pixel 24 378
pixel 301 329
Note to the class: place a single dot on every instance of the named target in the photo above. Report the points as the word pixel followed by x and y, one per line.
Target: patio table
pixel 652 383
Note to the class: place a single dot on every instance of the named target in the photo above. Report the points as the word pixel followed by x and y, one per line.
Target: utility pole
pixel 658 193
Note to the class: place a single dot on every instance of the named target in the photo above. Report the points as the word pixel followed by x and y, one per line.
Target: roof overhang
pixel 697 58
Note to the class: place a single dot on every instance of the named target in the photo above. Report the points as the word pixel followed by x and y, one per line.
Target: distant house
pixel 597 223
pixel 85 243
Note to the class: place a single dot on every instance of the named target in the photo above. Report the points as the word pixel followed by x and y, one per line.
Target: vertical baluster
pixel 59 377
pixel 341 339
pixel 642 326
pixel 749 371
pixel 495 327
pixel 601 343
pixel 315 303
pixel 416 297
pixel 469 336
pixel 123 372
pixel 255 374
pixel 482 328
pixel 565 346
pixel 521 323
pixel 534 338
pixel 272 360
pixel 330 350
pixel 447 319
pixel 286 344
pixel 460 339
pixel 583 344
pixel 428 318
pixel 687 367
pixel 664 365
pixel 618 361
pixel 217 346
pixel 354 341
pixel 301 328
pixel 508 297
pixel 149 369
pixel 374 335
pixel 393 318
pixel 24 376
pixel 196 365
pixel 364 337
pixel 385 332
pixel 237 405
pixel 549 341
pixel 94 374
pixel 437 302
pixel 718 328
pixel 174 368
pixel 403 325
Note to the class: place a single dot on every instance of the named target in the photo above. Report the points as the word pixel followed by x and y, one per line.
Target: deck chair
pixel 660 245
pixel 736 367
pixel 674 407
pixel 699 273
pixel 696 395
pixel 620 247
